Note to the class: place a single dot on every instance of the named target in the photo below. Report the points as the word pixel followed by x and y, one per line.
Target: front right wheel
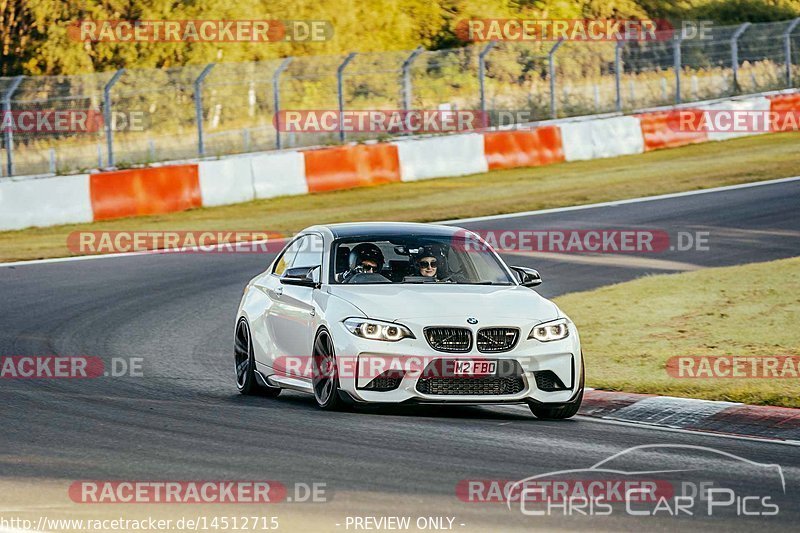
pixel 326 377
pixel 245 364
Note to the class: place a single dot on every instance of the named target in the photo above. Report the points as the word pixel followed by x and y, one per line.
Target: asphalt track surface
pixel 184 419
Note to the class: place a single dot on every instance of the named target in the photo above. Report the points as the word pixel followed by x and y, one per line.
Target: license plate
pixel 475 368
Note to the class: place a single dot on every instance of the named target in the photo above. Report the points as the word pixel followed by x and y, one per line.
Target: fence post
pixel 276 98
pixel 9 131
pixel 107 114
pixel 676 65
pixel 482 75
pixel 340 91
pixel 198 107
pixel 618 74
pixel 552 72
pixel 735 54
pixel 407 77
pixel 787 46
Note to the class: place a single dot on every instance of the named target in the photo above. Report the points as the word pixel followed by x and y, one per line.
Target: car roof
pixel 387 229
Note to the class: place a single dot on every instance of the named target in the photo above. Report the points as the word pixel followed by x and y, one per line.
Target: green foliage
pixel 34 38
pixel 692 313
pixel 738 11
pixel 722 12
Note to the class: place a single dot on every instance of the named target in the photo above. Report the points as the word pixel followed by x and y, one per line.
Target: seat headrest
pixel 342 258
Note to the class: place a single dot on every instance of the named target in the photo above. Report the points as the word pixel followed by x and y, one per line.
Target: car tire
pixel 245 364
pixel 325 380
pixel 557 411
pixel 560 411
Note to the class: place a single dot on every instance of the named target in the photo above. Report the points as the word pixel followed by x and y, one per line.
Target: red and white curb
pixel 689 414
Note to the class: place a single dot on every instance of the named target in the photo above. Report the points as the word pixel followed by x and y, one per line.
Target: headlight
pixel 377 330
pixel 550 331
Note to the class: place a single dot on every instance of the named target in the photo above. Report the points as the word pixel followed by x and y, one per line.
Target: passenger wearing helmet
pixel 366 258
pixel 428 262
pixel 427 266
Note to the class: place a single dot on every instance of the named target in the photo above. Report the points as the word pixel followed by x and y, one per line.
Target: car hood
pixel 410 301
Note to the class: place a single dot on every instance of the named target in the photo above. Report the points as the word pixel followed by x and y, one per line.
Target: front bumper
pixel 362 360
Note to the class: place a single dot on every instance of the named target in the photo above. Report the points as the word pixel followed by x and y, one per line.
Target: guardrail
pixel 46 201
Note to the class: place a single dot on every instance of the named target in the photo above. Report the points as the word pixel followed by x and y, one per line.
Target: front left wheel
pixel 562 410
pixel 558 411
pixel 245 364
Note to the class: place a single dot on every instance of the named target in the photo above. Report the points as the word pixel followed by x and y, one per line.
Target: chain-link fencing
pixel 141 116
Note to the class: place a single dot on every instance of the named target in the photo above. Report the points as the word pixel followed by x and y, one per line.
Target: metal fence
pixel 228 108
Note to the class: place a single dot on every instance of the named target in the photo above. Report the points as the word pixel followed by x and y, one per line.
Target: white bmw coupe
pixel 400 313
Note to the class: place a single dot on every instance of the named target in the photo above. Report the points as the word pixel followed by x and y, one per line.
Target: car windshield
pixel 415 259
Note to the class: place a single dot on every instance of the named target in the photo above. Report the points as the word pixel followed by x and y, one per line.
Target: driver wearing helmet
pixel 366 258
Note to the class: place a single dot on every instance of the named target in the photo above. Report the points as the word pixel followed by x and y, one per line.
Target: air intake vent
pixel 489 386
pixel 546 380
pixel 386 381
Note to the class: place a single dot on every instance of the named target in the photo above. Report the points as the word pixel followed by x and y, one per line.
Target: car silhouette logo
pixel 472 320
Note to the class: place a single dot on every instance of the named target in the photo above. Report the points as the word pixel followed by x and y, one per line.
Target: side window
pixel 288 257
pixel 309 254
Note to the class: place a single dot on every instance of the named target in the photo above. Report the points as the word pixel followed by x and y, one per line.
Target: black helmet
pixel 429 250
pixel 366 251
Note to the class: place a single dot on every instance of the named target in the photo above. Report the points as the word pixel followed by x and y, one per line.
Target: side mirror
pixel 302 276
pixel 528 277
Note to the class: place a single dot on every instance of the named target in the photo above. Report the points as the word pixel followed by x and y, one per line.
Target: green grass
pixel 629 331
pixel 681 169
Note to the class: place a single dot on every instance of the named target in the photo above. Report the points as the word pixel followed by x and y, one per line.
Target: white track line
pixel 459 220
pixel 688 431
pixel 623 202
pixel 643 425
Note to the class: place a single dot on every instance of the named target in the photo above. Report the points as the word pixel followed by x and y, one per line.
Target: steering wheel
pixel 368 277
